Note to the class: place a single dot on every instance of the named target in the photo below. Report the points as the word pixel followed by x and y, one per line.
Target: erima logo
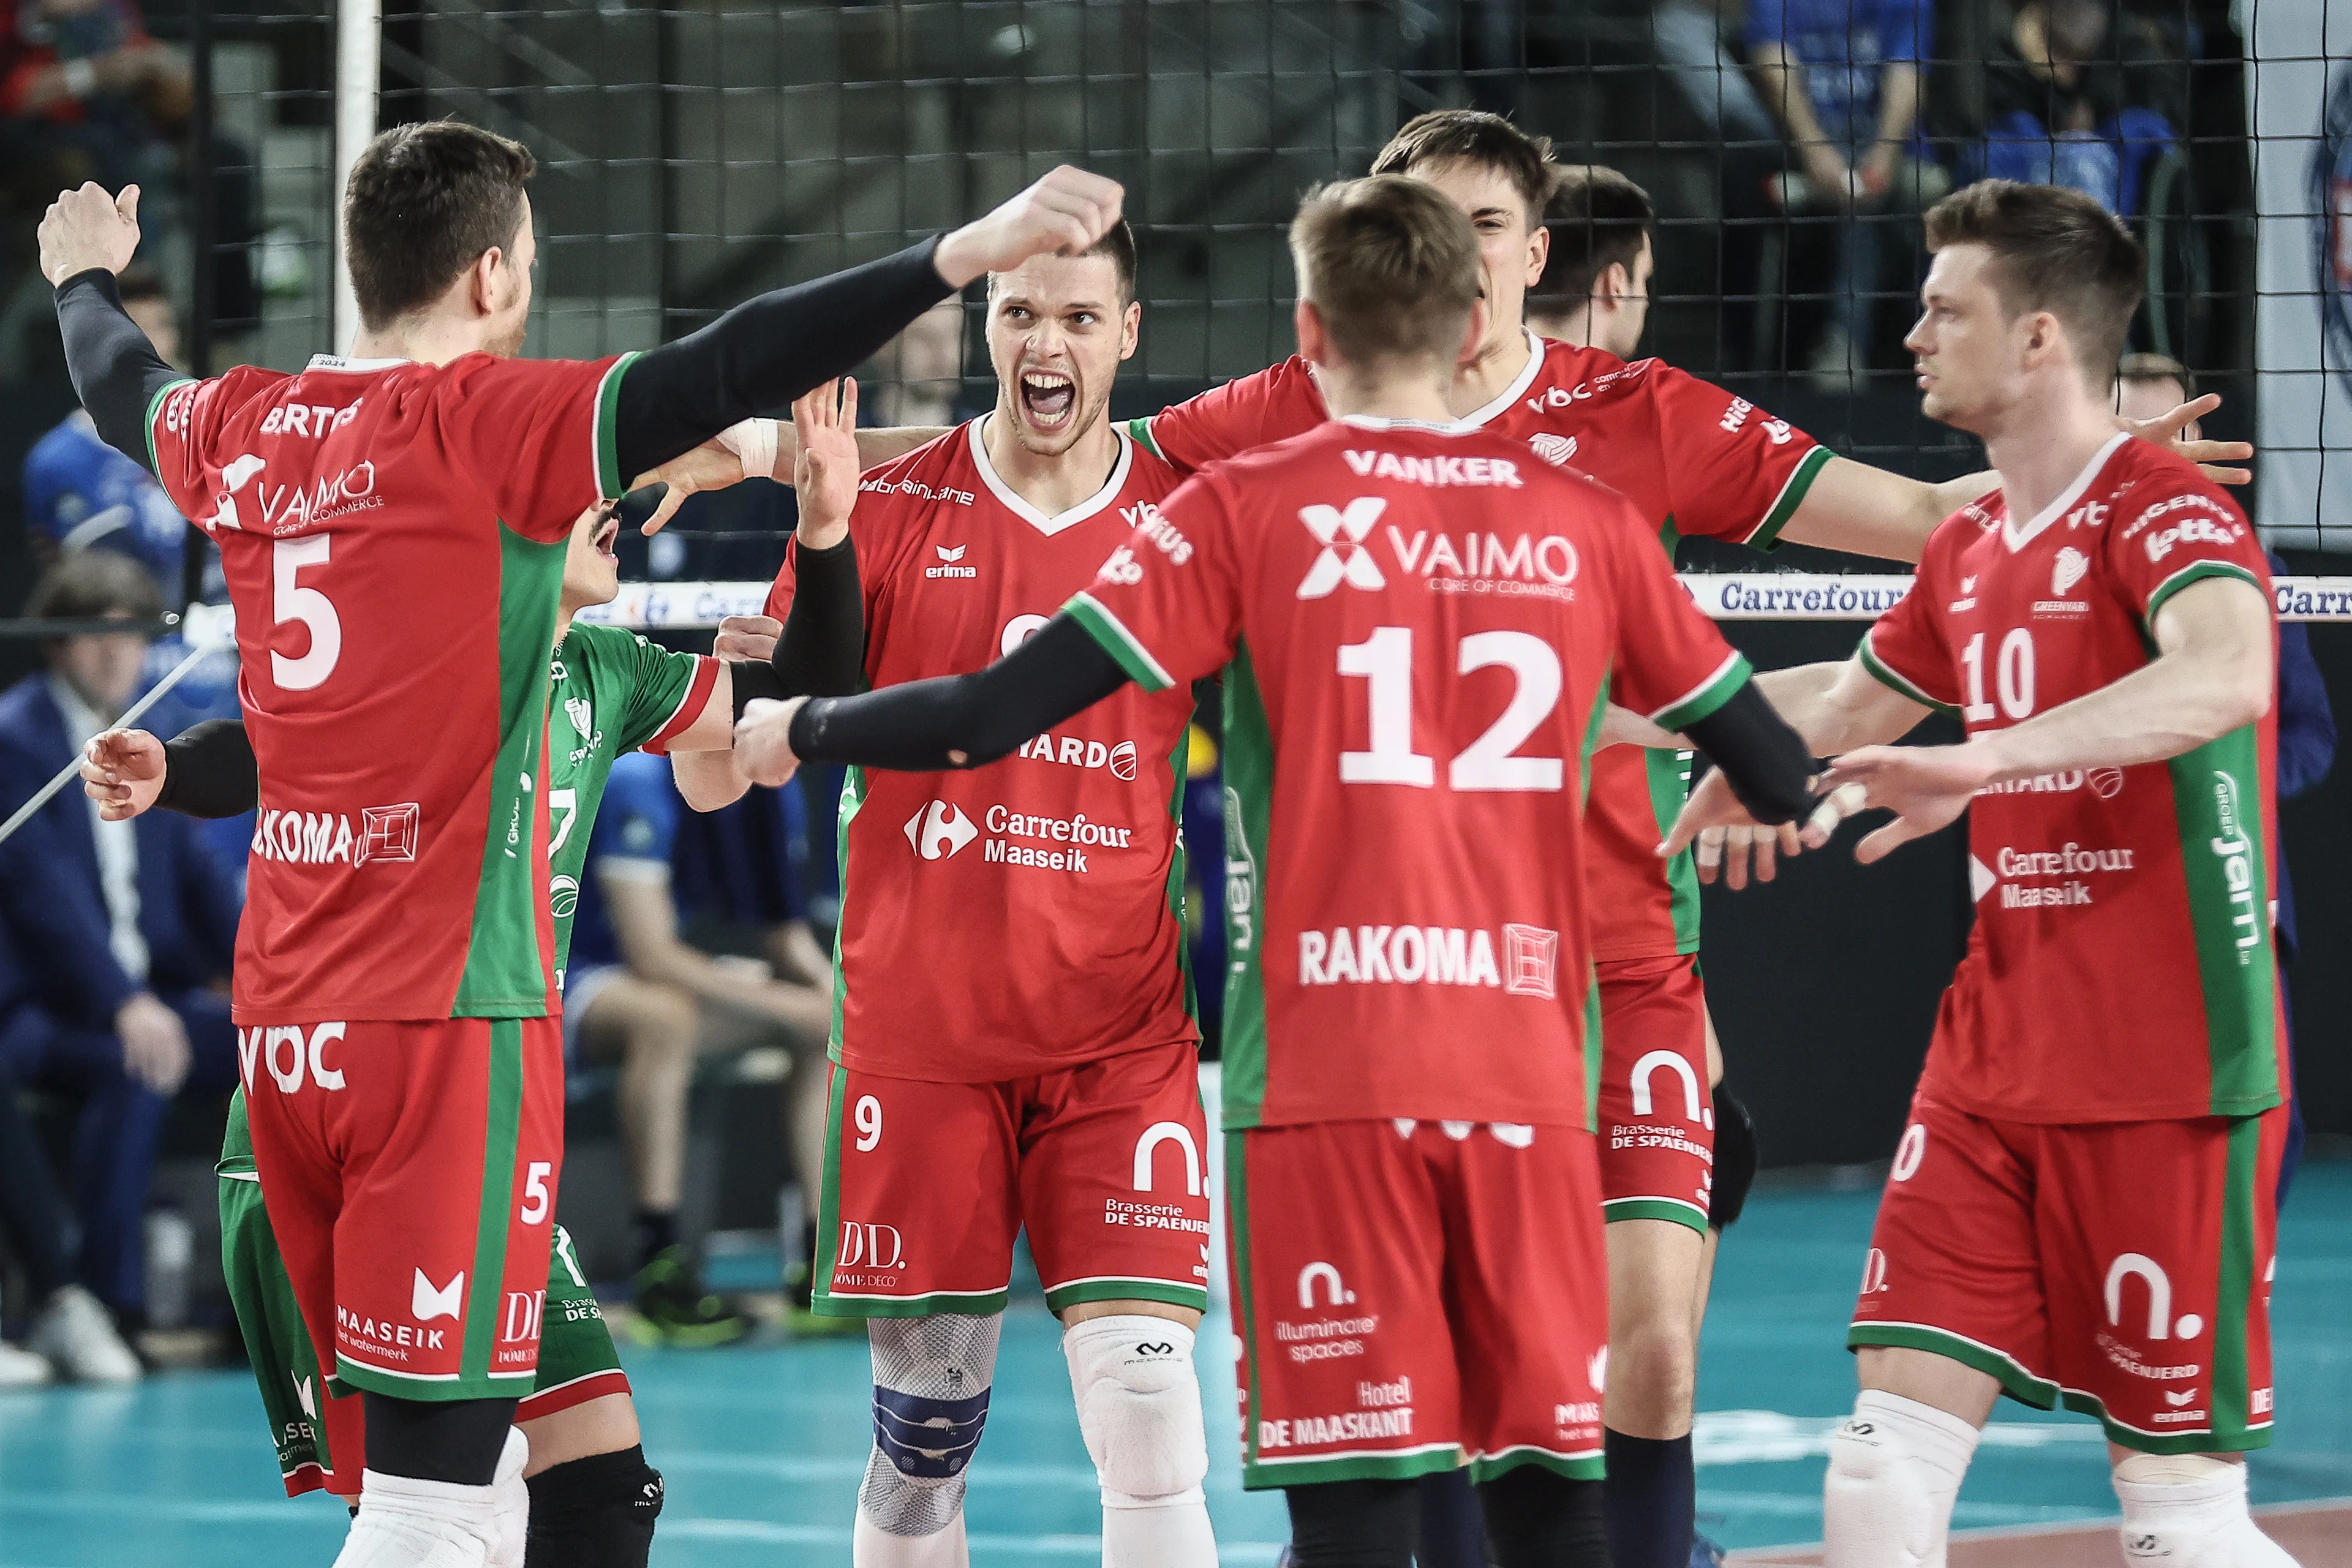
pixel 1968 599
pixel 1342 533
pixel 938 831
pixel 951 557
pixel 426 1302
pixel 1553 450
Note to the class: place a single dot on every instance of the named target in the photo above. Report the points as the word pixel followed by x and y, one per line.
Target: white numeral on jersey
pixel 291 602
pixel 1488 764
pixel 566 801
pixel 2015 677
pixel 1385 659
pixel 869 1122
pixel 535 1197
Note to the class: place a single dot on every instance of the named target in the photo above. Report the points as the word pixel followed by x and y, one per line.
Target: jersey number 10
pixel 1384 659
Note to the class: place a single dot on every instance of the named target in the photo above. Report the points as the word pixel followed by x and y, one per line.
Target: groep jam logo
pixel 2331 202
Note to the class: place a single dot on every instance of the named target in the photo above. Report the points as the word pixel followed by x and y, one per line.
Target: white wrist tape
pixel 754 442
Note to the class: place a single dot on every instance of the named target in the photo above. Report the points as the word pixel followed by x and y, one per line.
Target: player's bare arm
pixel 1865 511
pixel 2213 673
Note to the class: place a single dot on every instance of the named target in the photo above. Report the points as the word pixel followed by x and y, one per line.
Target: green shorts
pixel 313 1413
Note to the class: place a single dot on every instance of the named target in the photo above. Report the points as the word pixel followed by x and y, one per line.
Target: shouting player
pixel 2081 1211
pixel 1417 1259
pixel 392 530
pixel 594 1498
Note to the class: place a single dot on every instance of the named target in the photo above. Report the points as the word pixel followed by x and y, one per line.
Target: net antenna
pixel 359 55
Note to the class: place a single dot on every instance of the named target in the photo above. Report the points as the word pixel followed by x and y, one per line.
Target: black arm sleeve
pixel 116 370
pixel 821 652
pixel 1060 672
pixel 1769 765
pixel 766 351
pixel 208 771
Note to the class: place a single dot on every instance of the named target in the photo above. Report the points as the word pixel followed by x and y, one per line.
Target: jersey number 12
pixel 1384 661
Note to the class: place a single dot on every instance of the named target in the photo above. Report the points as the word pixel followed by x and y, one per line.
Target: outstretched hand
pixel 824 469
pixel 85 229
pixel 764 741
pixel 1926 788
pixel 2176 432
pixel 1730 843
pixel 1068 211
pixel 122 769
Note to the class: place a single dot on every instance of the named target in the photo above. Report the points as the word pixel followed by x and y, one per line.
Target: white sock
pixel 1895 1471
pixel 1170 1534
pixel 871 1546
pixel 408 1523
pixel 2188 1511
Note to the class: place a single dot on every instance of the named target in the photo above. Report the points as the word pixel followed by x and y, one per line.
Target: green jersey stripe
pixel 611 483
pixel 155 407
pixel 2195 572
pixel 502 1130
pixel 2225 867
pixel 1249 788
pixel 1708 696
pixel 1793 495
pixel 1139 429
pixel 2233 1298
pixel 1179 872
pixel 1886 676
pixel 1119 642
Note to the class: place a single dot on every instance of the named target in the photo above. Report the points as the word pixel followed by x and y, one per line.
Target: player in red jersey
pixel 1694 459
pixel 393 532
pixel 2080 1210
pixel 1012 1006
pixel 1418 624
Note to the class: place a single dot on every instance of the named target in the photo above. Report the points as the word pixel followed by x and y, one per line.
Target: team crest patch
pixel 582 713
pixel 2070 568
pixel 1553 450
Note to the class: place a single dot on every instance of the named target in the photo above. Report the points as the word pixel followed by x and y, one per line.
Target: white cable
pixel 72 770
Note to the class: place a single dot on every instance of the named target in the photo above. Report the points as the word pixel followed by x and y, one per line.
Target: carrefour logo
pixel 938 831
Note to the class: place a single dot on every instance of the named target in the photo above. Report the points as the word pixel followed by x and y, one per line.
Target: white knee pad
pixel 1894 1470
pixel 2188 1511
pixel 931 1378
pixel 512 1523
pixel 1140 1409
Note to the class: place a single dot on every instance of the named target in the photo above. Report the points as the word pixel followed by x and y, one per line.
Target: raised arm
pixel 87 237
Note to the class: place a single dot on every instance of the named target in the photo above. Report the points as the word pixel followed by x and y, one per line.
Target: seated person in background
pixel 126 930
pixel 1843 79
pixel 635 991
pixel 2081 95
pixel 33 1236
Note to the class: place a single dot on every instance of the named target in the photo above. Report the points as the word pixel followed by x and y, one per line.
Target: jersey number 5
pixel 1384 661
pixel 289 601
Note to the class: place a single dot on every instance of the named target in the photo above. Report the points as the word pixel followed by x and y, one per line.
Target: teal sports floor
pixel 764 1447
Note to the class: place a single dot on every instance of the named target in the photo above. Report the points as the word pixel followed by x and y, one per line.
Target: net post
pixel 359 53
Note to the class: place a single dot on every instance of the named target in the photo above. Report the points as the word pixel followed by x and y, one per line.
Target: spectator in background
pixel 126 930
pixel 2306 725
pixel 1595 288
pixel 2084 96
pixel 1843 79
pixel 635 992
pixel 81 494
pixel 921 370
pixel 33 1227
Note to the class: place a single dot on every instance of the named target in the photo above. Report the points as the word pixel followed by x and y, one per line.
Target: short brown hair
pixel 1598 219
pixel 2057 250
pixel 2158 367
pixel 1391 266
pixel 91 584
pixel 424 202
pixel 1474 136
pixel 1117 243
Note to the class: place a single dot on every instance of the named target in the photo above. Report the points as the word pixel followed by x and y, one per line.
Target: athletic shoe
pixel 79 1340
pixel 1704 1553
pixel 22 1368
pixel 672 1304
pixel 802 1319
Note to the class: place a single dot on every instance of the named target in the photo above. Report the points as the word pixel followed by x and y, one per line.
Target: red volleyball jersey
pixel 1421 623
pixel 2122 967
pixel 1693 458
pixel 392 536
pixel 1025 916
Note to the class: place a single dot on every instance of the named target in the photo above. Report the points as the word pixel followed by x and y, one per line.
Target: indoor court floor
pixel 763 1447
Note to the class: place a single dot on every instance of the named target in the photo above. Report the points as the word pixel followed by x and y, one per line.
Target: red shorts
pixel 928 1184
pixel 2121 1269
pixel 409 1170
pixel 1656 1113
pixel 1411 1295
